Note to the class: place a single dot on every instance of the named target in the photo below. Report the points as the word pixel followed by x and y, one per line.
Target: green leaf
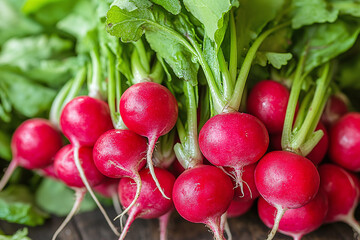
pixel 252 17
pixel 19 235
pixel 26 52
pixel 326 41
pixel 28 98
pixel 277 60
pixel 13 23
pixel 51 194
pixel 17 206
pixel 169 45
pixel 48 12
pixel 173 6
pixel 129 26
pixel 349 72
pixel 211 15
pixel 307 12
pixel 346 7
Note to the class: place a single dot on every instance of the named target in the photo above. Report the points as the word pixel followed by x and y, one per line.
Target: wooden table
pixel 92 226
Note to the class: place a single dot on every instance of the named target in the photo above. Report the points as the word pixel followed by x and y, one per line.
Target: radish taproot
pixel 150 203
pixel 233 140
pixel 202 194
pixel 33 145
pixel 150 110
pixel 121 153
pixel 296 222
pixel 286 181
pixel 344 147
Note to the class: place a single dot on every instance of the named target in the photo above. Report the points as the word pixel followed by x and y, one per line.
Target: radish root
pixel 79 196
pixel 9 171
pixel 279 214
pixel 87 185
pixel 152 142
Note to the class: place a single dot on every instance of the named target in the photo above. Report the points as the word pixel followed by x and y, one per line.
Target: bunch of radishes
pixel 300 191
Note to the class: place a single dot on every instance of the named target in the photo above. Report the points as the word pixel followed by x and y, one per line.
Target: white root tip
pixel 152 142
pixel 279 214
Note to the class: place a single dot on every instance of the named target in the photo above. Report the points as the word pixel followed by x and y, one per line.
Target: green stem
pixel 188 152
pixel 227 82
pixel 233 49
pixel 138 71
pixel 157 72
pixel 291 107
pixel 95 88
pixel 315 107
pixel 143 55
pixel 235 100
pixel 217 97
pixel 112 87
pixel 304 107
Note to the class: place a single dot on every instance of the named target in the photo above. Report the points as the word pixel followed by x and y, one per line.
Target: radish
pixel 342 190
pixel 286 181
pixel 335 108
pixel 121 153
pixel 34 145
pixel 151 203
pixel 202 195
pixel 150 110
pixel 317 154
pixel 268 101
pixel 296 222
pixel 83 120
pixel 65 169
pixel 344 147
pixel 233 140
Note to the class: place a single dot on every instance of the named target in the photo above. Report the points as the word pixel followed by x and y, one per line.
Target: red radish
pixel 344 147
pixel 342 190
pixel 83 120
pixel 202 194
pixel 268 101
pixel 233 140
pixel 108 189
pixel 334 109
pixel 121 153
pixel 65 168
pixel 48 171
pixel 250 192
pixel 296 222
pixel 319 151
pixel 286 181
pixel 34 145
pixel 150 110
pixel 239 207
pixel 151 203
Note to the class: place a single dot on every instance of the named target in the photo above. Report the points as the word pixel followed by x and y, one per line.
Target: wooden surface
pixel 92 226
